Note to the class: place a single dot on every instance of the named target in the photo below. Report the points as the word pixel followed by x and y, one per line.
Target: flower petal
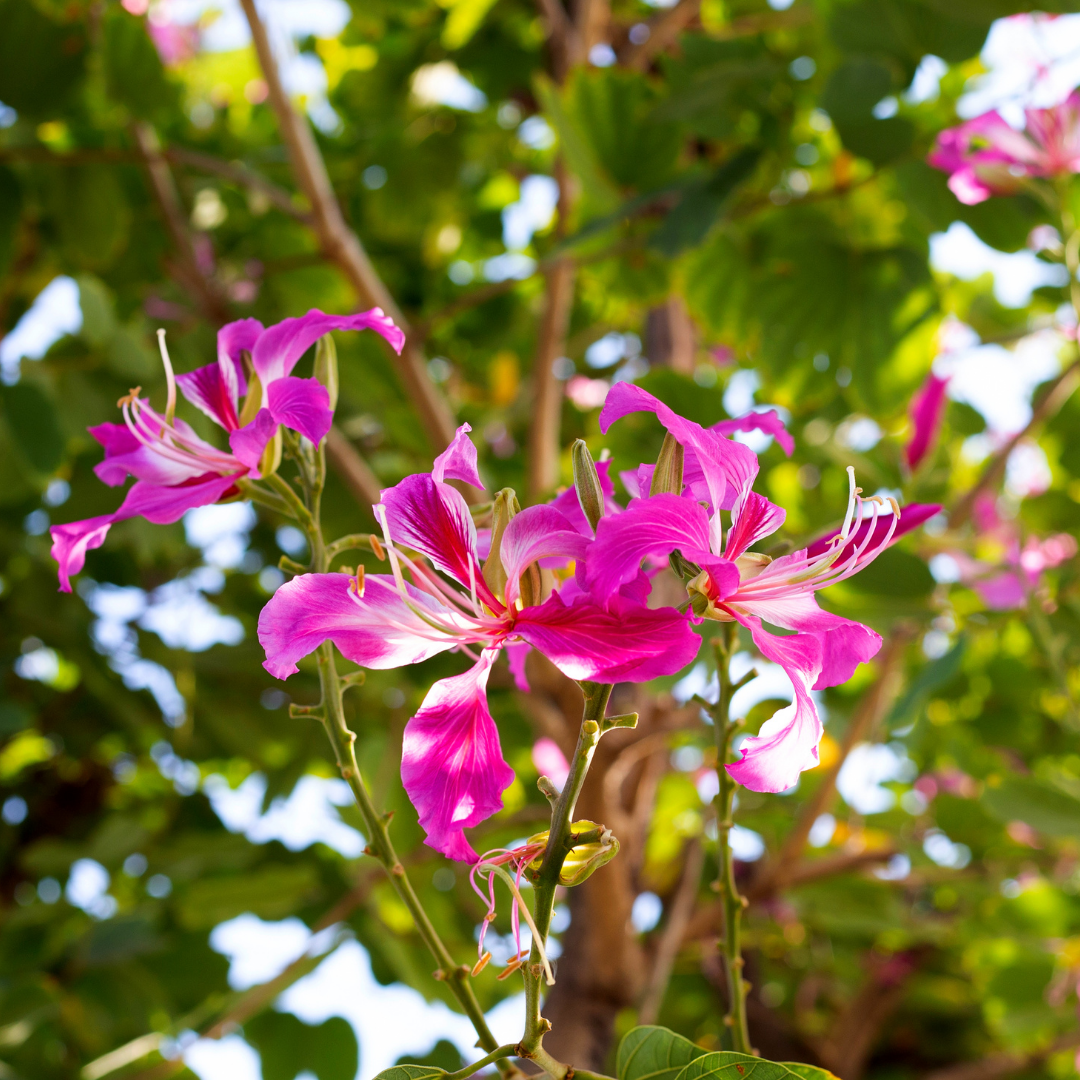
pixel 655 526
pixel 301 404
pixel 376 630
pixel 621 641
pixel 752 519
pixel 159 504
pixel 911 517
pixel 126 456
pixel 458 460
pixel 729 467
pixel 927 411
pixel 517 653
pixel 233 339
pixel 537 532
pixel 248 443
pixel 767 421
pixel 207 390
pixel 787 743
pixel 434 519
pixel 451 761
pixel 281 346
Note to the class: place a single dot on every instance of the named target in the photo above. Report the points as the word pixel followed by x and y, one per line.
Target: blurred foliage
pixel 748 172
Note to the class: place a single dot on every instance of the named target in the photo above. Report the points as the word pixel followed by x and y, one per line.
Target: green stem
pixel 558 846
pixel 733 903
pixel 496 1055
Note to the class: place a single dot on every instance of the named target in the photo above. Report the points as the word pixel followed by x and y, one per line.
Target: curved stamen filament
pixel 170 379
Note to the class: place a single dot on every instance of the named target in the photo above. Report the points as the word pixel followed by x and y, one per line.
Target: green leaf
pixel 411 1072
pixel 463 21
pixel 894 573
pixel 1044 808
pixel 935 674
pixel 10 213
pixel 854 88
pixel 32 421
pixel 808 1072
pixel 653 1053
pixel 133 70
pixel 726 1065
pixel 41 61
pixel 288 1047
pixel 96 303
pixel 270 893
pixel 91 213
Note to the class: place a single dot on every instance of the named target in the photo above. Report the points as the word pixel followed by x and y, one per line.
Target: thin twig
pixel 341 245
pixel 352 468
pixel 663 30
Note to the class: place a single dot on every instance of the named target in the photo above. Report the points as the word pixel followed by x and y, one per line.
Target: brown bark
pixel 353 469
pixel 671 337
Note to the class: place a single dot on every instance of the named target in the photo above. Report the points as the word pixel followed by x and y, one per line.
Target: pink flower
pixel 927 410
pixel 1004 582
pixel 174 469
pixel 986 156
pixel 550 761
pixel 452 765
pixel 737 584
pixel 174 42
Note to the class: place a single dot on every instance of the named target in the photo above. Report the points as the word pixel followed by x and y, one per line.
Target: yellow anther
pixel 130 397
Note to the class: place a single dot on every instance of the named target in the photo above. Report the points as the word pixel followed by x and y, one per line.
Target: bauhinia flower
pixel 452 765
pixel 927 411
pixel 1005 572
pixel 986 156
pixel 731 582
pixel 174 469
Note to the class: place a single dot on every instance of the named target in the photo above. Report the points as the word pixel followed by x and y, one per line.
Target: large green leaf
pixel 41 61
pixel 1044 808
pixel 10 213
pixel 654 1053
pixel 411 1072
pixel 726 1065
pixel 270 893
pixel 133 70
pixel 91 213
pixel 937 673
pixel 289 1047
pixel 32 420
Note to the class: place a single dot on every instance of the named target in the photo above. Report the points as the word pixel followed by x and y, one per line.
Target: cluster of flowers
pixel 540 578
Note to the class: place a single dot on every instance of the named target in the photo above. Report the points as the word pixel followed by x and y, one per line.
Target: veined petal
pixel 926 412
pixel 301 404
pixel 655 526
pixel 248 443
pixel 752 519
pixel 537 532
pixel 233 339
pixel 207 390
pixel 621 641
pixel 159 504
pixel 458 460
pixel 281 346
pixel 729 468
pixel 767 421
pixel 126 456
pixel 844 644
pixel 517 653
pixel 451 761
pixel 787 743
pixel 434 519
pixel 376 630
pixel 911 516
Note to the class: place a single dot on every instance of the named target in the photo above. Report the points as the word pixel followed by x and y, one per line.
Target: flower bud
pixel 326 367
pixel 253 401
pixel 583 859
pixel 587 483
pixel 271 459
pixel 503 509
pixel 667 477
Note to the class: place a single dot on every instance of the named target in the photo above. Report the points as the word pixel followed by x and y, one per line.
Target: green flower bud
pixel 326 369
pixel 583 859
pixel 503 509
pixel 667 477
pixel 587 483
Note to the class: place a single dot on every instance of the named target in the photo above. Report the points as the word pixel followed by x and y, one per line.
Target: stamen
pixel 852 494
pixel 170 379
pixel 130 397
pixel 377 548
pixel 480 964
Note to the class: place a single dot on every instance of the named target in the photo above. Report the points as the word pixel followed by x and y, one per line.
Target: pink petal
pixel 125 456
pixel 927 410
pixel 729 467
pixel 787 743
pixel 752 520
pixel 655 526
pixel 458 460
pixel 911 517
pixel 161 505
pixel 281 346
pixel 517 653
pixel 434 519
pixel 968 188
pixel 206 390
pixel 376 630
pixel 301 404
pixel 536 532
pixel 550 761
pixel 767 421
pixel 451 761
pixel 248 443
pixel 622 641
pixel 233 339
pixel 1003 592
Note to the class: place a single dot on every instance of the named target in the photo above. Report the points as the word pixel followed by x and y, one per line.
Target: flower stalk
pixel 731 900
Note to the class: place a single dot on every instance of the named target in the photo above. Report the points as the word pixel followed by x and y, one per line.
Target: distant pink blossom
pixel 550 761
pixel 452 765
pixel 174 42
pixel 174 469
pixel 737 584
pixel 587 393
pixel 986 156
pixel 927 411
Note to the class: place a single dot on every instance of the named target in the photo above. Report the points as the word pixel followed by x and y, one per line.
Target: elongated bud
pixel 271 459
pixel 326 369
pixel 667 477
pixel 587 483
pixel 504 508
pixel 253 401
